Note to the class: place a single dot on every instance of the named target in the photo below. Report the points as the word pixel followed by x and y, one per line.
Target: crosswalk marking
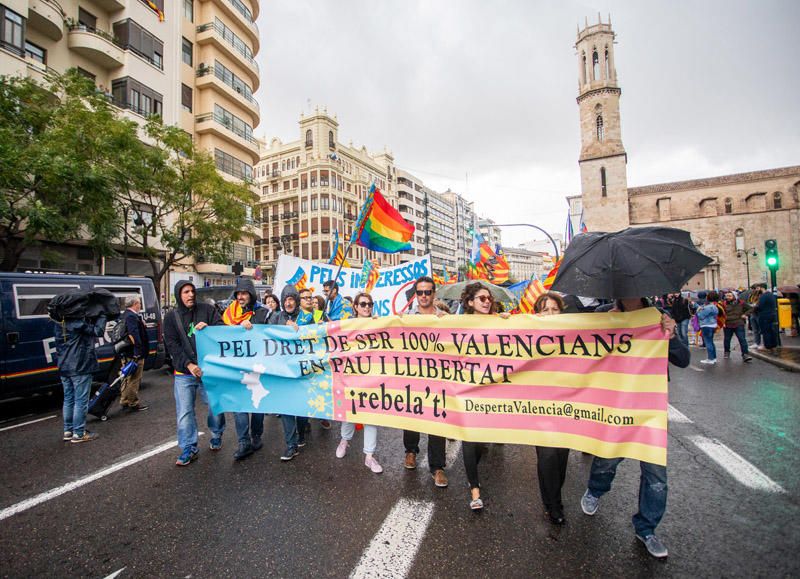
pixel 735 465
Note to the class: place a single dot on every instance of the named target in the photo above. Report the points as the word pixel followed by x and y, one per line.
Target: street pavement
pixel 733 498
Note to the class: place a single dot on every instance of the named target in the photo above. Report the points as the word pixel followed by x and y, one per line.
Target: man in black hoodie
pixel 180 326
pixel 241 312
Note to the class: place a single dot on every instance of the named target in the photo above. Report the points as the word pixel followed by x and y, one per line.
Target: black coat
pixel 75 345
pixel 179 323
pixel 137 330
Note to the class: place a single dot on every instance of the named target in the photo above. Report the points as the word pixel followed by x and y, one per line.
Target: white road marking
pixel 675 415
pixel 29 422
pixel 695 368
pixel 736 466
pixel 391 552
pixel 63 489
pixel 116 573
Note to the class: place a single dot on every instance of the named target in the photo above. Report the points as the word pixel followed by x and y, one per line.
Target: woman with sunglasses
pixel 551 463
pixel 476 299
pixel 363 307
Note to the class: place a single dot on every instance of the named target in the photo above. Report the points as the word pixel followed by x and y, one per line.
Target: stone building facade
pixel 315 185
pixel 525 264
pixel 729 217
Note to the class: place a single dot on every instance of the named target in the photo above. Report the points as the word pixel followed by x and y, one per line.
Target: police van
pixel 27 344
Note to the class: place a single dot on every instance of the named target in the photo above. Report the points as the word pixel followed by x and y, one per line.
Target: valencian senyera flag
pixel 337 255
pixel 370 274
pixel 591 382
pixel 485 263
pixel 551 277
pixel 380 227
pixel 528 299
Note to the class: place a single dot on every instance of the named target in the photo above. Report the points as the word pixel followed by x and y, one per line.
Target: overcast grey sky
pixel 487 89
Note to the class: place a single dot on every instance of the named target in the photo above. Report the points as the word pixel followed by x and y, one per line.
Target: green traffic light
pixel 772 261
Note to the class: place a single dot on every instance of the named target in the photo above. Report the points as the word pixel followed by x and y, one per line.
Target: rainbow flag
pixel 337 255
pixel 551 277
pixel 380 227
pixel 533 291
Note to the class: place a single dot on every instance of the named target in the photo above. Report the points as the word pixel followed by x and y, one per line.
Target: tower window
pixel 603 188
pixel 728 205
pixel 583 69
pixel 595 65
pixel 776 200
pixel 309 138
pixel 331 143
pixel 600 132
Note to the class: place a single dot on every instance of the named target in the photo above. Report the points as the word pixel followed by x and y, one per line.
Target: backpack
pixel 118 332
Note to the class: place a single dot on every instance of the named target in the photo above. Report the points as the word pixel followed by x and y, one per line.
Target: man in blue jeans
pixel 180 326
pixel 653 478
pixel 736 312
pixel 77 362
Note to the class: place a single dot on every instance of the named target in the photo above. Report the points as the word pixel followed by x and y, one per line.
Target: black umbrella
pixel 635 262
pixel 81 304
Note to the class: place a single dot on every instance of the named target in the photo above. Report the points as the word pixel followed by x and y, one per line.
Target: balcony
pixel 95 45
pixel 209 78
pixel 111 5
pixel 47 17
pixel 213 33
pixel 238 12
pixel 275 174
pixel 350 216
pixel 290 215
pixel 220 127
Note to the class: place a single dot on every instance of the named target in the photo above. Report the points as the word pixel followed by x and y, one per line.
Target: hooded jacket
pixel 75 345
pixel 180 322
pixel 235 314
pixel 280 317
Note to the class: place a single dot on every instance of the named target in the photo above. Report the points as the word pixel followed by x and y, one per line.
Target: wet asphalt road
pixel 315 515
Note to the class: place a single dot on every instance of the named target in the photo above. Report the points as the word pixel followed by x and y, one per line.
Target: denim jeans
pixel 294 429
pixel 682 328
pixel 370 435
pixel 76 402
pixel 756 330
pixel 248 425
pixel 708 340
pixel 740 335
pixel 186 389
pixel 652 491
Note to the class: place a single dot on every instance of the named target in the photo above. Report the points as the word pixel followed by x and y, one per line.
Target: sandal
pixel 476 504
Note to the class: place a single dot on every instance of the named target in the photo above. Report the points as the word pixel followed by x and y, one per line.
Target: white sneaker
pixel 341 450
pixel 373 465
pixel 712 362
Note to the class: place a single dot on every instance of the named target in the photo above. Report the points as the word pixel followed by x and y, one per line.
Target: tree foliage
pixel 58 144
pixel 181 206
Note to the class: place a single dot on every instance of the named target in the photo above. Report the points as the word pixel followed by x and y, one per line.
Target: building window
pixel 608 65
pixel 324 202
pixel 132 36
pixel 583 68
pixel 87 19
pixel 304 206
pixel 186 98
pixel 186 52
pixel 12 31
pixel 739 239
pixel 314 203
pixel 309 138
pixel 776 200
pixel 600 131
pixel 35 52
pixel 233 166
pixel 595 66
pixel 728 205
pixel 331 143
pixel 603 189
pixel 188 10
pixel 130 94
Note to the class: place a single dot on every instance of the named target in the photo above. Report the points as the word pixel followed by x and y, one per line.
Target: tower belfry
pixel 604 183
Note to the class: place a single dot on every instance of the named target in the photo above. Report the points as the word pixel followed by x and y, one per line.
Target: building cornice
pixel 600 90
pixel 733 179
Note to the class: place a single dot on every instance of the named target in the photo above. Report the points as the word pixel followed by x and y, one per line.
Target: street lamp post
pixel 746 253
pixel 553 241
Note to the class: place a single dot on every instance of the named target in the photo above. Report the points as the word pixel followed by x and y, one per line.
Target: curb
pixel 785 364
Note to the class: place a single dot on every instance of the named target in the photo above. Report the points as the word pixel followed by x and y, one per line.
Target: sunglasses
pixel 424 292
pixel 484 299
pixel 364 304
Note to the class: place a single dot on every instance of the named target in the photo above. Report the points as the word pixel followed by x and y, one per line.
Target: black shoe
pixel 137 408
pixel 245 450
pixel 555 517
pixel 256 443
pixel 301 443
pixel 289 454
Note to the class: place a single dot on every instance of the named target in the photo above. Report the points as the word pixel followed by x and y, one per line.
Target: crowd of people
pixel 707 315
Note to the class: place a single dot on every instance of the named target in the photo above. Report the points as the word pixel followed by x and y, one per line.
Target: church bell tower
pixel 604 182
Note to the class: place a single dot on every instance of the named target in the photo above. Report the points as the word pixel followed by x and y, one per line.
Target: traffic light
pixel 771 252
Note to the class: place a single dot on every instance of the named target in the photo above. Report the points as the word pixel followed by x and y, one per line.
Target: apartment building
pixel 192 62
pixel 525 264
pixel 313 186
pixel 464 224
pixel 491 233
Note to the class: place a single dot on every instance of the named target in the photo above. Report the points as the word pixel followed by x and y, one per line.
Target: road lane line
pixel 736 466
pixel 675 415
pixel 391 552
pixel 116 573
pixel 29 422
pixel 63 489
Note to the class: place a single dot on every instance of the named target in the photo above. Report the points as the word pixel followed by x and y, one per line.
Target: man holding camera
pixel 137 344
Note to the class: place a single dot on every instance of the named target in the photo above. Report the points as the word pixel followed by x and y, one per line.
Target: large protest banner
pixel 591 382
pixel 389 293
